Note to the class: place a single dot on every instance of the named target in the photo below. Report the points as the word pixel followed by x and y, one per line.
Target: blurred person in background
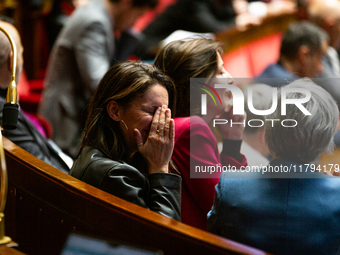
pixel 326 14
pixel 207 16
pixel 285 211
pixel 58 15
pixel 26 135
pixel 85 49
pixel 302 49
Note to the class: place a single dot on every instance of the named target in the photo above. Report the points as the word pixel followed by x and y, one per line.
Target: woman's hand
pixel 234 132
pixel 160 143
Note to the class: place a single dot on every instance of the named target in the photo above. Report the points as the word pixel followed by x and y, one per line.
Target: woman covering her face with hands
pixel 129 138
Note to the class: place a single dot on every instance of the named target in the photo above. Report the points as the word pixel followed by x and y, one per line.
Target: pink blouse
pixel 198 193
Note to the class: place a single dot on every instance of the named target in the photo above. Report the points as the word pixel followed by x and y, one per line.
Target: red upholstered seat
pixel 251 59
pixel 29 93
pixel 149 16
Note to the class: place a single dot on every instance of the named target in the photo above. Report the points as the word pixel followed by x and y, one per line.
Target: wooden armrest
pixel 44 205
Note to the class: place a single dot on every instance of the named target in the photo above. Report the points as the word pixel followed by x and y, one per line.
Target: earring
pixel 124 124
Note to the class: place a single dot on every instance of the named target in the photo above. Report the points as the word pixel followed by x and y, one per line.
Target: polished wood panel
pixel 233 38
pixel 4 250
pixel 45 205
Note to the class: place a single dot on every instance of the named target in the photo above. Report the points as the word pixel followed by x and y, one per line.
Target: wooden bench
pixel 44 206
pixel 249 52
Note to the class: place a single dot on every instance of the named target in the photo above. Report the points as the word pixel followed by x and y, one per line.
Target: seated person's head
pixel 6 54
pixel 126 98
pixel 302 48
pixel 313 134
pixel 185 59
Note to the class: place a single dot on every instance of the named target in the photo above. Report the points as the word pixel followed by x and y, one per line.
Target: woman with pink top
pixel 199 58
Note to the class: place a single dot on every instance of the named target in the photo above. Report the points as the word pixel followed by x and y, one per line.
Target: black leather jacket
pixel 160 192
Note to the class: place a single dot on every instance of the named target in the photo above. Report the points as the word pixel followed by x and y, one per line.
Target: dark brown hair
pixel 182 60
pixel 299 34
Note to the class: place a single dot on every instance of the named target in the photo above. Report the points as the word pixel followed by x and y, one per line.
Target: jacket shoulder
pixel 92 167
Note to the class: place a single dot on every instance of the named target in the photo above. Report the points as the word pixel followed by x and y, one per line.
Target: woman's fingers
pixel 167 122
pixel 158 147
pixel 172 130
pixel 161 128
pixel 161 122
pixel 155 121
